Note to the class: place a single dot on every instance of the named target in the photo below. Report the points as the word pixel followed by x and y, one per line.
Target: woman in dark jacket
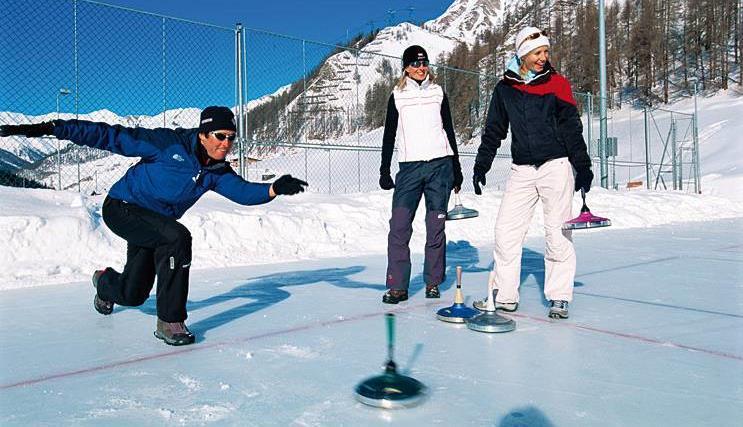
pixel 419 123
pixel 550 162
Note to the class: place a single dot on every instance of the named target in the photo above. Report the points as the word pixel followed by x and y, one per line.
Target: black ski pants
pixel 434 180
pixel 157 245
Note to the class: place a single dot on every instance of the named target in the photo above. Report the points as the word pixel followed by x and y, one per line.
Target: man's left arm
pixel 231 186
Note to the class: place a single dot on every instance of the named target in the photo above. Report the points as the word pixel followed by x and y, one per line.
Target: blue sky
pixel 321 20
pixel 122 62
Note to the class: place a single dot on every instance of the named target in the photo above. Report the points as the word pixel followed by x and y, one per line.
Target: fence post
pixel 303 104
pixel 239 85
pixel 589 97
pixel 165 69
pixel 697 177
pixel 674 153
pixel 681 167
pixel 647 146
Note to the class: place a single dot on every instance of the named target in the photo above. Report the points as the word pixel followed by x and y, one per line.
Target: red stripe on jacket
pixel 557 85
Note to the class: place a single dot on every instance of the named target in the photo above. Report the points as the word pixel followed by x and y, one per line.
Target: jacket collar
pixel 413 84
pixel 513 75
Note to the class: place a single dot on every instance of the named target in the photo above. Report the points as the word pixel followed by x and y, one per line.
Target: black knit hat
pixel 216 118
pixel 412 54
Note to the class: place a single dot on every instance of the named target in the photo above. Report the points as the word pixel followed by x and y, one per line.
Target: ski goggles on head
pixel 418 64
pixel 222 136
pixel 532 37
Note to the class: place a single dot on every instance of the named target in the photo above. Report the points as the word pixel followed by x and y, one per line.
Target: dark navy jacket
pixel 169 178
pixel 543 117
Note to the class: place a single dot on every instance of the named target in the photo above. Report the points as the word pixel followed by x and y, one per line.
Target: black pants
pixel 432 179
pixel 156 246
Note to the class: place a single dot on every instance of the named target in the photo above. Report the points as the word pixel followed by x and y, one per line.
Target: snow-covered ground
pixel 57 237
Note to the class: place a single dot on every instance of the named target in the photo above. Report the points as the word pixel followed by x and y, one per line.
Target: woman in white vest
pixel 419 123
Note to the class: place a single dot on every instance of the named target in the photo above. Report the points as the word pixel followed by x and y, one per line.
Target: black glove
pixel 458 178
pixel 478 177
pixel 386 182
pixel 31 131
pixel 583 180
pixel 286 184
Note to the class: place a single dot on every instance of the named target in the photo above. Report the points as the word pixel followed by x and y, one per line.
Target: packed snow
pixel 57 237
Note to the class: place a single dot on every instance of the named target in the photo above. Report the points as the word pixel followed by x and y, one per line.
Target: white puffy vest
pixel 420 133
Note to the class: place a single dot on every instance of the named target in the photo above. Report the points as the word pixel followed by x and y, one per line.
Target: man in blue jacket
pixel 176 167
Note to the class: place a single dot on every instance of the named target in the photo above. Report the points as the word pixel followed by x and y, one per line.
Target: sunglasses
pixel 533 36
pixel 418 64
pixel 222 136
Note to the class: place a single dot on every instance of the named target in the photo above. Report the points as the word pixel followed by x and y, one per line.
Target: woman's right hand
pixel 386 182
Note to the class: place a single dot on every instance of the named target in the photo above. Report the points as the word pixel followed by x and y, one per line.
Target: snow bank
pixel 56 237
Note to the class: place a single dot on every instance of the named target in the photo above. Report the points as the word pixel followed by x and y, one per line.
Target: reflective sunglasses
pixel 222 136
pixel 418 64
pixel 533 36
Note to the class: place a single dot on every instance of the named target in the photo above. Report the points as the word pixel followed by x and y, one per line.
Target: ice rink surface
pixel 654 338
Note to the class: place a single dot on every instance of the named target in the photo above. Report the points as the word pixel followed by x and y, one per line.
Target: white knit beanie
pixel 524 46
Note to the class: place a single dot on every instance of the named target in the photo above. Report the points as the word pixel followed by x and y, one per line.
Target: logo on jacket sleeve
pixel 178 157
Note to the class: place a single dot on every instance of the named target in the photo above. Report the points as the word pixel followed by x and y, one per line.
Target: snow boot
pixel 432 291
pixel 101 306
pixel 174 333
pixel 482 305
pixel 558 309
pixel 393 296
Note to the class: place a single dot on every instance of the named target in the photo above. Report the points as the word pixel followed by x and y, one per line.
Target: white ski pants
pixel 553 185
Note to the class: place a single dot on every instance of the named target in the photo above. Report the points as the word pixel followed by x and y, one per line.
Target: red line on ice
pixel 183 350
pixel 630 336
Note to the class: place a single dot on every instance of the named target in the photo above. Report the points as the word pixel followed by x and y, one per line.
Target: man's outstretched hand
pixel 31 131
pixel 288 185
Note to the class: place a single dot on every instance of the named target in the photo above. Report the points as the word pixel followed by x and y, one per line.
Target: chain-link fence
pixel 647 147
pixel 85 60
pixel 316 110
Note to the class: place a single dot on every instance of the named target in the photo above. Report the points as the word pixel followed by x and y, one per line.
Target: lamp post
pixel 62 92
pixel 603 159
pixel 697 175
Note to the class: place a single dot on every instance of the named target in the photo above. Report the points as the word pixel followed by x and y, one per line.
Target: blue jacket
pixel 169 178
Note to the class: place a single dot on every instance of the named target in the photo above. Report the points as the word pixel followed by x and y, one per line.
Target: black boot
pixel 101 306
pixel 393 296
pixel 174 333
pixel 432 291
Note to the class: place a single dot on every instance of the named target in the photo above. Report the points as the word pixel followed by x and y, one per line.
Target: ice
pixel 653 338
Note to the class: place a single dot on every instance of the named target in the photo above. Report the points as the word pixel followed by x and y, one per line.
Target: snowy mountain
pixel 30 150
pixel 466 20
pixel 333 100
